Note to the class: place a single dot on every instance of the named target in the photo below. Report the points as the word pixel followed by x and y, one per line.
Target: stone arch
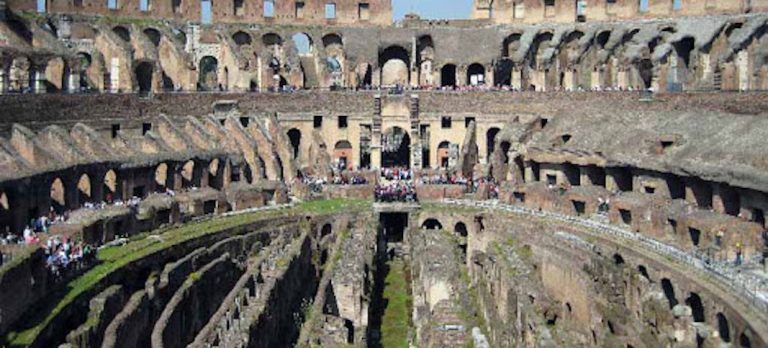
pixel 394 62
pixel 475 75
pixel 242 38
pixel 294 136
pixel 188 179
pixel 723 327
pixel 144 72
pixel 248 174
pixel 58 195
pixel 540 43
pixel 602 38
pixel 271 40
pixel 432 224
pixel 505 146
pixel 697 307
pixel 460 229
pixel 84 189
pixel 396 148
pixel 153 35
pixel 332 39
pixel 122 32
pixel 327 229
pixel 490 137
pixel 303 43
pixel 425 56
pixel 678 74
pixel 669 292
pixel 215 175
pixel 510 45
pixel 110 185
pixel 342 154
pixel 645 69
pixel 443 154
pixel 208 79
pixel 448 75
pixel 161 177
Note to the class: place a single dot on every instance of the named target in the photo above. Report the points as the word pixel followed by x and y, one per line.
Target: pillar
pixel 39 79
pixel 73 82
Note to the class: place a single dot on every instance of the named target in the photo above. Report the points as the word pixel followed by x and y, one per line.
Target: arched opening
pixel 294 135
pixel 697 308
pixel 502 72
pixel 460 229
pixel 214 174
pixel 144 76
pixel 448 75
pixel 444 154
pixel 425 56
pixel 645 68
pixel 723 328
pixel 678 65
pixel 602 39
pixel 161 177
pixel 110 186
pixel 84 189
pixel 262 168
pixel 188 174
pixel 395 68
pixel 476 75
pixel 644 272
pixel 303 43
pixel 58 194
pixel 208 79
pixel 326 230
pixel 342 154
pixel 511 45
pixel 618 259
pixel 242 38
pixel 248 174
pixel 505 146
pixel 669 292
pixel 153 35
pixel 122 32
pixel 490 138
pixel 744 341
pixel 84 60
pixel 432 224
pixel 395 148
pixel 364 75
pixel 271 40
pixel 330 40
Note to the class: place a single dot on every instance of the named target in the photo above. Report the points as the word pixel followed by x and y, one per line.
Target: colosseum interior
pixel 312 173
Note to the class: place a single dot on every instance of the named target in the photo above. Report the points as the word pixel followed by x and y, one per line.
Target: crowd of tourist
pixel 443 179
pixel 395 191
pixel 349 179
pixel 396 173
pixel 63 256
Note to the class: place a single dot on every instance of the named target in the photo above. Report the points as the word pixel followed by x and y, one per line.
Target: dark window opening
pixel 669 292
pixel 723 328
pixel 580 207
pixel 115 130
pixel 543 123
pixel 299 9
pixel 318 121
pixel 146 127
pixel 695 235
pixel 209 207
pixel 694 301
pixel 618 259
pixel 343 122
pixel 467 121
pixel 445 122
pixel 138 191
pixel 519 197
pixel 758 216
pixel 245 121
pixel 626 216
pixel 649 190
pixel 551 180
pixel 644 272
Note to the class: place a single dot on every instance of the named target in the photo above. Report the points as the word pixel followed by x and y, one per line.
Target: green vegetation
pixel 18 258
pixel 396 321
pixel 114 258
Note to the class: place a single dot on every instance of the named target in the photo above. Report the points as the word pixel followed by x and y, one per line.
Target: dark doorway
pixel 294 135
pixel 393 226
pixel 448 75
pixel 396 148
pixel 144 77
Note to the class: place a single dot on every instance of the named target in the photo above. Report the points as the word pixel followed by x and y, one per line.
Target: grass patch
pixel 114 258
pixel 396 322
